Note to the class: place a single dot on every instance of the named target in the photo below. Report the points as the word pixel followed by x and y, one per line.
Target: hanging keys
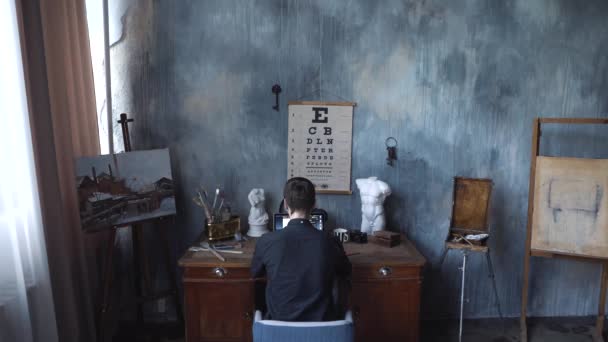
pixel 276 90
pixel 391 148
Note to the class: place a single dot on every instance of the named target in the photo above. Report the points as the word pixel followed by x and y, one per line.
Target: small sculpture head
pixel 256 197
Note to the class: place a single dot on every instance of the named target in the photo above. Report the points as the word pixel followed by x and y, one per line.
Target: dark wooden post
pixel 124 123
pixel 524 292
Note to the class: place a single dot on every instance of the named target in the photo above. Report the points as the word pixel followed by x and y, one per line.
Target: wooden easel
pixel 140 263
pixel 536 133
pixel 475 226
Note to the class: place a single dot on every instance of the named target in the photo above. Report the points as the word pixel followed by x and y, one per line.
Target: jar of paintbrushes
pixel 221 224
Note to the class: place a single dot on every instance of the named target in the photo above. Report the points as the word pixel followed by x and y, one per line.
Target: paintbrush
pixel 204 205
pixel 217 193
pixel 219 209
pixel 212 250
pixel 205 194
pixel 203 249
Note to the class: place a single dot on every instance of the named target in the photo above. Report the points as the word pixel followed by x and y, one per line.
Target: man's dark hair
pixel 299 194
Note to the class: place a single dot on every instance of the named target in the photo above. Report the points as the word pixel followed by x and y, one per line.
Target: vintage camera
pixel 358 236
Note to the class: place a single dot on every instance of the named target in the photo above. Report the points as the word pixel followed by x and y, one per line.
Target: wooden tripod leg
pixel 524 290
pixel 599 325
pixel 443 255
pixel 524 299
pixel 136 239
pixel 108 274
pixel 171 270
pixel 143 257
pixel 492 276
pixel 464 270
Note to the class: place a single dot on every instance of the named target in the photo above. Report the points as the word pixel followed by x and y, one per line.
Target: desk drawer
pixel 219 272
pixel 363 272
pixel 386 310
pixel 219 310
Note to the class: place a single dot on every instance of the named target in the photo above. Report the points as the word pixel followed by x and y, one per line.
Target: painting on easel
pixel 570 210
pixel 121 189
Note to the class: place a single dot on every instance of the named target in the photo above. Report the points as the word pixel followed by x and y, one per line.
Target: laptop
pixel 281 221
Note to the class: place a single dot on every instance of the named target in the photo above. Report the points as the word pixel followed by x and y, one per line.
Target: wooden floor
pixel 479 330
pixel 568 329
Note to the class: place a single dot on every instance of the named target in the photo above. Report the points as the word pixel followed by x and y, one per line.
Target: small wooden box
pixel 224 230
pixel 385 238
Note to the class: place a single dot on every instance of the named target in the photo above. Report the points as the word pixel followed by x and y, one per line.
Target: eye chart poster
pixel 320 143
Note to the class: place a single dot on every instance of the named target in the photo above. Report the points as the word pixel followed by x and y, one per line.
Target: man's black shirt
pixel 300 264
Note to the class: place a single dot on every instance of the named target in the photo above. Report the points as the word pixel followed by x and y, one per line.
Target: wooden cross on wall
pixel 124 122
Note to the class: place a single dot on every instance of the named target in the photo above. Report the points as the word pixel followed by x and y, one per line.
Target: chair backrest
pixel 274 331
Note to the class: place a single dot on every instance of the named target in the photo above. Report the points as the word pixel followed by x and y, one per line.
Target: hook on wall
pixel 276 90
pixel 391 148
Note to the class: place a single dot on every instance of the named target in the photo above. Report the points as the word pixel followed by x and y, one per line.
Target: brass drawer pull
pixel 220 272
pixel 385 271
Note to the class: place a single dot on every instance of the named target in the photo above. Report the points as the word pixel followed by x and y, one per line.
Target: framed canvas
pixel 125 188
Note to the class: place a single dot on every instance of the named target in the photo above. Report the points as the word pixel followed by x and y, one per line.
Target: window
pixel 26 304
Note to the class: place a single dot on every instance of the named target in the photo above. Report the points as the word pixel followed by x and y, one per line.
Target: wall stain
pixel 454 68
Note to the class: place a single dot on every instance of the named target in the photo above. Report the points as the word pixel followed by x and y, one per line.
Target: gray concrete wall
pixel 457 83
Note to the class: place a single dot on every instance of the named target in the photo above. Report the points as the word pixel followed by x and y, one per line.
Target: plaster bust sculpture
pixel 258 218
pixel 373 193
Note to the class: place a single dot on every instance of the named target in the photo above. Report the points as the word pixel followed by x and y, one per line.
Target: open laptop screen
pixel 281 221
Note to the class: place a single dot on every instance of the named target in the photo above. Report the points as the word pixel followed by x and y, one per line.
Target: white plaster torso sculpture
pixel 258 218
pixel 373 193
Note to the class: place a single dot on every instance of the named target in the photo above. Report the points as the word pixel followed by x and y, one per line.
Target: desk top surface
pixel 404 254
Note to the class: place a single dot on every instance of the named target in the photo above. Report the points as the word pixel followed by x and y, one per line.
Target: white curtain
pixel 26 303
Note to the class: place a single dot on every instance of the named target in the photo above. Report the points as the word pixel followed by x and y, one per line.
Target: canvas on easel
pixel 570 207
pixel 566 213
pixel 123 189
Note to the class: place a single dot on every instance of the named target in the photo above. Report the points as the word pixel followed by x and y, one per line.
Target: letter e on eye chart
pixel 320 144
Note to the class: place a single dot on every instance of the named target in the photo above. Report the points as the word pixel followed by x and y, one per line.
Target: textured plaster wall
pixel 457 83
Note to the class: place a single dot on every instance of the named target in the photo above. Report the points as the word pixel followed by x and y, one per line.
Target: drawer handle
pixel 220 272
pixel 247 316
pixel 385 271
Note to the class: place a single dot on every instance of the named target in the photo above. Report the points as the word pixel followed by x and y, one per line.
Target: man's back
pixel 300 264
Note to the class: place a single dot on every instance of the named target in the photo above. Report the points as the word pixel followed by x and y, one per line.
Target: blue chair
pixel 279 331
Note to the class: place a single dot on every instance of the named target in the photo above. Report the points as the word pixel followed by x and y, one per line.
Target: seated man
pixel 300 262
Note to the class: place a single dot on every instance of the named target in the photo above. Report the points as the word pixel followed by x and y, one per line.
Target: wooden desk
pixel 385 298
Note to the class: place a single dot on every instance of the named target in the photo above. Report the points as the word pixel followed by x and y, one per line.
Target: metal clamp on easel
pixel 469 230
